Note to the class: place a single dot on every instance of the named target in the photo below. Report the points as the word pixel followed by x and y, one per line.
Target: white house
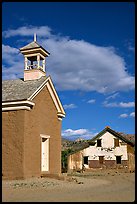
pixel 108 149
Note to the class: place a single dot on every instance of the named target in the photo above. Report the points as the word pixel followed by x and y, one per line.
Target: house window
pixel 116 142
pixel 99 143
pixel 86 160
pixel 118 159
pixel 101 159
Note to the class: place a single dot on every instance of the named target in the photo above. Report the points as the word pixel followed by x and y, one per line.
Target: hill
pixel 73 145
pixel 80 143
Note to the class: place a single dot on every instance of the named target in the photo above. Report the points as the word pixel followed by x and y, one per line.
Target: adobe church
pixel 31 120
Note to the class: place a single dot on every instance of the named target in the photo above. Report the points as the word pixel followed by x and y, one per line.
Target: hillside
pixel 130 137
pixel 80 144
pixel 74 145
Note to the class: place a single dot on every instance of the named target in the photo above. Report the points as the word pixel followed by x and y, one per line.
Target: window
pixel 99 143
pixel 116 142
pixel 101 159
pixel 118 159
pixel 86 160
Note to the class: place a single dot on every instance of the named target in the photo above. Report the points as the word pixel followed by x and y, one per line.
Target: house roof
pixel 106 129
pixel 32 45
pixel 116 134
pixel 13 90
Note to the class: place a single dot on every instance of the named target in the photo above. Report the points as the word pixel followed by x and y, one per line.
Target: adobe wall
pixel 12 144
pixel 131 161
pixel 42 119
pixel 131 157
pixel 75 161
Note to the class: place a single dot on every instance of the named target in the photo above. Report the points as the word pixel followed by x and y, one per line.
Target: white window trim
pixel 44 136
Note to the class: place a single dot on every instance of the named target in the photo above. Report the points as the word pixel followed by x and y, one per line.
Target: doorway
pixel 45 154
pixel 118 159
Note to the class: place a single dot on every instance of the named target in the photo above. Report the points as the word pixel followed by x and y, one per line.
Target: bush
pixel 64 158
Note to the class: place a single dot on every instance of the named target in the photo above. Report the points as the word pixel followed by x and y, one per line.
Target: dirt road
pixel 87 187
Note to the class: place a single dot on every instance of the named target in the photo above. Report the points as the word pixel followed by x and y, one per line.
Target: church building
pixel 31 120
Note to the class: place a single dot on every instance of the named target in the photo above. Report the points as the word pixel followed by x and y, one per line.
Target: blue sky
pixel 91 62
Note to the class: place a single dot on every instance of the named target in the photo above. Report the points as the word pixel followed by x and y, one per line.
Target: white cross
pixel 35 37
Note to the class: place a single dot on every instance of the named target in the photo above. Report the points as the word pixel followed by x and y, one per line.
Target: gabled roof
pixel 33 45
pixel 20 90
pixel 116 134
pixel 107 129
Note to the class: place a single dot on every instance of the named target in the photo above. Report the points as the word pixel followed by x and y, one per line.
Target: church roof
pixel 19 92
pixel 19 89
pixel 32 45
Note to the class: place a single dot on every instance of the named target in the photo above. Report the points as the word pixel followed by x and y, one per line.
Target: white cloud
pixel 127 105
pixel 121 104
pixel 124 115
pixel 77 64
pixel 69 106
pixel 130 45
pixel 11 59
pixel 70 132
pixel 91 101
pixel 112 96
pixel 83 133
pixel 43 31
pixel 131 48
pixel 6 49
pixel 132 114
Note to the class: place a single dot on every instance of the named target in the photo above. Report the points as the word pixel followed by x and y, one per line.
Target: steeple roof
pixel 33 45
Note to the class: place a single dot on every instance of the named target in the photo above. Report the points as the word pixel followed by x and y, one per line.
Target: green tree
pixel 64 158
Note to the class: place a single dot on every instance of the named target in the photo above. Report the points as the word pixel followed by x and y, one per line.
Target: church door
pixel 45 154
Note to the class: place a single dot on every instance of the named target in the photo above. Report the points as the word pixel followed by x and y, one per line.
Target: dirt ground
pixel 95 186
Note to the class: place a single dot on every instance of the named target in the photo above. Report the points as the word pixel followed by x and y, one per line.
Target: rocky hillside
pixel 130 137
pixel 74 145
pixel 80 144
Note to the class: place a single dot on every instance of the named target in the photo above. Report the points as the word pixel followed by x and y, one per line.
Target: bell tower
pixel 34 60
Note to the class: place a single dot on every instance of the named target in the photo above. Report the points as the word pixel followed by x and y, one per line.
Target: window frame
pixel 101 161
pixel 116 142
pixel 99 140
pixel 85 157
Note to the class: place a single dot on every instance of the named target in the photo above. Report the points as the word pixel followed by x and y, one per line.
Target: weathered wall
pixel 131 161
pixel 107 164
pixel 42 119
pixel 75 161
pixel 131 157
pixel 12 144
pixel 109 151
